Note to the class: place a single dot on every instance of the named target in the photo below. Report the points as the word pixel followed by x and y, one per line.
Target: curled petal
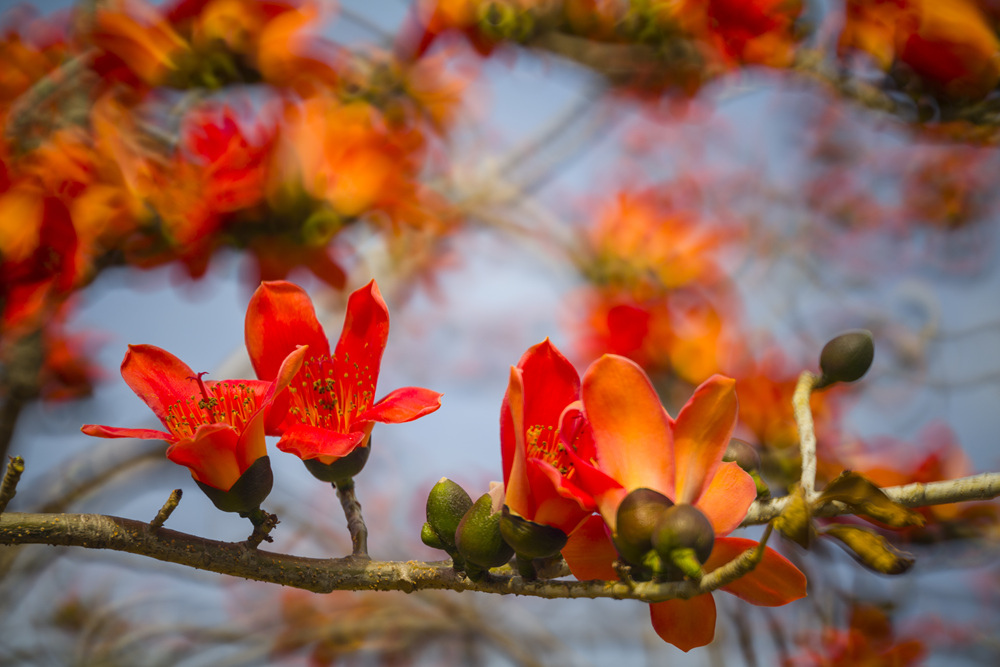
pixel 280 317
pixel 774 582
pixel 312 442
pixel 726 500
pixel 403 405
pixel 632 431
pixel 701 435
pixel 686 624
pixel 157 377
pixel 556 501
pixel 589 552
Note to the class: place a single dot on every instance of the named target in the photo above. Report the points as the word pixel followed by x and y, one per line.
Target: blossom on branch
pixel 331 400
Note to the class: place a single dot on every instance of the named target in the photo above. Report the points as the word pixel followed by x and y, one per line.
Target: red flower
pixel 540 419
pixel 332 398
pixel 638 445
pixel 216 429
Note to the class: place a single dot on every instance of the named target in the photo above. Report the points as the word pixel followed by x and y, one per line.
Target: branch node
pixel 8 488
pixel 263 523
pixel 166 510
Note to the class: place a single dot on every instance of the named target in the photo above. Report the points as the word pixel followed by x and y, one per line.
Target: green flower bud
pixel 247 493
pixel 478 536
pixel 530 540
pixel 343 468
pixel 429 537
pixel 846 358
pixel 447 503
pixel 684 527
pixel 638 515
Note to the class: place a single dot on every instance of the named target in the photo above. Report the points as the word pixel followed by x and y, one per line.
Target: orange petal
pixel 774 582
pixel 313 442
pixel 210 455
pixel 686 624
pixel 727 498
pixel 157 377
pixel 517 491
pixel 701 435
pixel 403 405
pixel 632 432
pixel 589 552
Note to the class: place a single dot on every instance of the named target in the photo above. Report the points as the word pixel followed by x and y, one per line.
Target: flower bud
pixel 247 493
pixel 430 538
pixel 638 515
pixel 478 536
pixel 846 357
pixel 447 503
pixel 343 468
pixel 529 539
pixel 684 527
pixel 743 454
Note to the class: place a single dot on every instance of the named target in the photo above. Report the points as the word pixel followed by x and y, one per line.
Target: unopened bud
pixel 637 518
pixel 447 503
pixel 846 358
pixel 478 537
pixel 684 527
pixel 529 539
pixel 743 454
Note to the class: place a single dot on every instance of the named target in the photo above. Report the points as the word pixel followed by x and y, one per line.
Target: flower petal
pixel 686 624
pixel 210 455
pixel 517 490
pixel 159 378
pixel 632 431
pixel 402 405
pixel 701 435
pixel 727 498
pixel 280 317
pixel 606 492
pixel 251 445
pixel 555 501
pixel 774 582
pixel 313 442
pixel 550 384
pixel 589 552
pixel 99 431
pixel 358 355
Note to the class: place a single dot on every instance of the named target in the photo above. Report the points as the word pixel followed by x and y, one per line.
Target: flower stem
pixel 807 436
pixel 355 522
pixel 263 524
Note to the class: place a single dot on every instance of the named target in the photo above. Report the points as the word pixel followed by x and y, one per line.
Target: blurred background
pixel 705 186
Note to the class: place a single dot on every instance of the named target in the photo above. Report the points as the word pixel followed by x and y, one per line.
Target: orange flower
pixel 639 446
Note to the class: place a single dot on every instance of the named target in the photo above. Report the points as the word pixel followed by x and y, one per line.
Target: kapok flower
pixel 332 399
pixel 539 421
pixel 215 428
pixel 639 446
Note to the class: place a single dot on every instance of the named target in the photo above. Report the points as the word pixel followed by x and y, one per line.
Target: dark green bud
pixel 529 539
pixel 846 358
pixel 684 527
pixel 478 536
pixel 247 493
pixel 743 454
pixel 343 468
pixel 447 503
pixel 638 516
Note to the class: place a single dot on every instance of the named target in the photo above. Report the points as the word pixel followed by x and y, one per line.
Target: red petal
pixel 774 582
pixel 550 384
pixel 632 431
pixel 728 498
pixel 99 431
pixel 606 492
pixel 252 445
pixel 211 455
pixel 312 442
pixel 686 624
pixel 403 405
pixel 358 355
pixel 555 501
pixel 701 435
pixel 589 552
pixel 517 490
pixel 280 317
pixel 159 378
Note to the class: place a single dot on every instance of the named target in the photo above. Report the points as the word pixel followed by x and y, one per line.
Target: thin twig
pixel 807 434
pixel 167 509
pixel 8 488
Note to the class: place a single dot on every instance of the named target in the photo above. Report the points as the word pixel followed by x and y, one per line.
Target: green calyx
pixel 247 493
pixel 529 539
pixel 343 468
